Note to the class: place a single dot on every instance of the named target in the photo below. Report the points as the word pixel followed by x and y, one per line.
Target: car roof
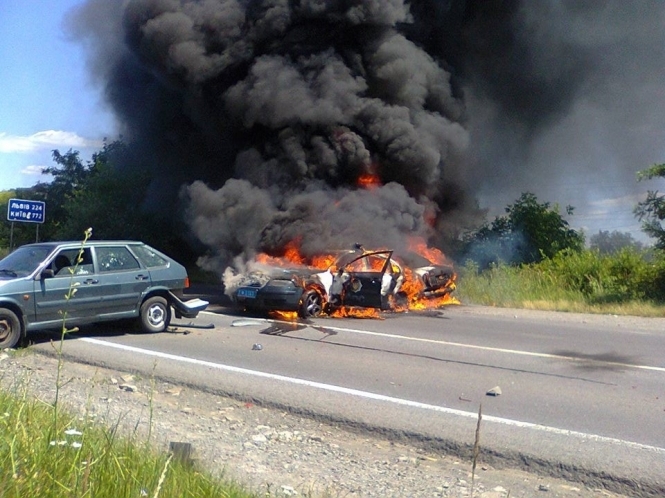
pixel 79 243
pixel 348 256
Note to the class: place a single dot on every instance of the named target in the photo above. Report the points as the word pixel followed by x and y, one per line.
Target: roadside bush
pixel 630 281
pixel 505 285
pixel 620 277
pixel 654 277
pixel 581 271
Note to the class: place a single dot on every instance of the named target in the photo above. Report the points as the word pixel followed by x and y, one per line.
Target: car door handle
pixel 89 281
pixel 141 277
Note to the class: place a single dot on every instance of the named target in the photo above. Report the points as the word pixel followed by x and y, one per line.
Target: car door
pixel 67 269
pixel 365 279
pixel 122 281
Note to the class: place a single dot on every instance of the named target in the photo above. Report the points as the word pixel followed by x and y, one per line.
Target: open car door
pixel 366 279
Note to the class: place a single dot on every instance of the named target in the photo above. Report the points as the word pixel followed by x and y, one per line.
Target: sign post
pixel 26 211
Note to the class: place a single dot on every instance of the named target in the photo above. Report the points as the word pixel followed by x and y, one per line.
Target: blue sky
pixel 47 100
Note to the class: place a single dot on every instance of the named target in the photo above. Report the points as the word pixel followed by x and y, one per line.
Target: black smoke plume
pixel 258 117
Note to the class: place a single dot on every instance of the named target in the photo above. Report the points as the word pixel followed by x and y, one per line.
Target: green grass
pixel 49 457
pixel 586 282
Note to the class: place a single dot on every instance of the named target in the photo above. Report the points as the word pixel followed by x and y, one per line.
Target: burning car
pixel 355 279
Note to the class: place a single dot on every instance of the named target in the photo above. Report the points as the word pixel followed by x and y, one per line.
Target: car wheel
pixel 10 329
pixel 401 299
pixel 155 314
pixel 311 304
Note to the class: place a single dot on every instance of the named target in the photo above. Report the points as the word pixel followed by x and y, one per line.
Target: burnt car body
pixel 437 280
pixel 113 280
pixel 357 278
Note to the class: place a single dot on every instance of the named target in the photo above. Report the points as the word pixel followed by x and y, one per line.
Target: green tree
pixel 69 176
pixel 606 242
pixel 107 193
pixel 112 199
pixel 529 232
pixel 111 202
pixel 651 211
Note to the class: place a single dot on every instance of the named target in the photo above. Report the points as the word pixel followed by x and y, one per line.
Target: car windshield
pixel 23 261
pixel 416 260
pixel 368 262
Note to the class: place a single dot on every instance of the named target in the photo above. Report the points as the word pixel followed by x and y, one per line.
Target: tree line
pixel 94 193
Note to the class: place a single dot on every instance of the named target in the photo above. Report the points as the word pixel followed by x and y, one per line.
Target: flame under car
pixel 356 279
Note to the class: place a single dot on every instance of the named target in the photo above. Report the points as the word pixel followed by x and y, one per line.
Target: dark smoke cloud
pixel 262 114
pixel 564 99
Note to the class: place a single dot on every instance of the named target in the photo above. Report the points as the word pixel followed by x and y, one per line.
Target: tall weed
pixel 572 281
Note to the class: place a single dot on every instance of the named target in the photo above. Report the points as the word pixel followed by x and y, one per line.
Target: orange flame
pixel 323 262
pixel 419 246
pixel 290 256
pixel 412 286
pixel 369 181
pixel 351 312
pixel 286 316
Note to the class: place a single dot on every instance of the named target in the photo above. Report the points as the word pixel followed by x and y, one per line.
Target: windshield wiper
pixel 11 273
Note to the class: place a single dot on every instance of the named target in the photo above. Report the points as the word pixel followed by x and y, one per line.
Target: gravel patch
pixel 270 451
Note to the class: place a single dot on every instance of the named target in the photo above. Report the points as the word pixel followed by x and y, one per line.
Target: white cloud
pixel 629 200
pixel 33 170
pixel 48 139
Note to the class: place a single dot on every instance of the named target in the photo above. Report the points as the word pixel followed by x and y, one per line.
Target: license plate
pixel 247 292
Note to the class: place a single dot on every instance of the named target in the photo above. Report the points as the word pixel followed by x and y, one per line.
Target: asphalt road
pixel 582 397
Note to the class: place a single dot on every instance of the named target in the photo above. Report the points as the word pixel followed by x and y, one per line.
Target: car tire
pixel 311 304
pixel 401 299
pixel 10 329
pixel 155 314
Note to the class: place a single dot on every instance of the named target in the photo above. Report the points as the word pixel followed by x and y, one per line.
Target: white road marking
pixel 496 350
pixel 374 396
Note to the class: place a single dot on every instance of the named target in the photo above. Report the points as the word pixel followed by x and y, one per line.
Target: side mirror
pixel 47 273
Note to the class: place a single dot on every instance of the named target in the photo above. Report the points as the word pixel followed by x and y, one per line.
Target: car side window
pixel 72 262
pixel 115 258
pixel 148 256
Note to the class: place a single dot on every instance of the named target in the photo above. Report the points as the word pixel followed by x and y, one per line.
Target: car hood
pixel 15 284
pixel 278 273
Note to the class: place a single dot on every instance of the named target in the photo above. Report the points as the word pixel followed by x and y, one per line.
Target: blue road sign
pixel 22 210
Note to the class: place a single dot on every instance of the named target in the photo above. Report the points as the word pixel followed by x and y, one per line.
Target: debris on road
pixel 246 323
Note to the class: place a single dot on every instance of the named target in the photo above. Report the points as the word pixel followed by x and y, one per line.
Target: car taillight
pixel 186 282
